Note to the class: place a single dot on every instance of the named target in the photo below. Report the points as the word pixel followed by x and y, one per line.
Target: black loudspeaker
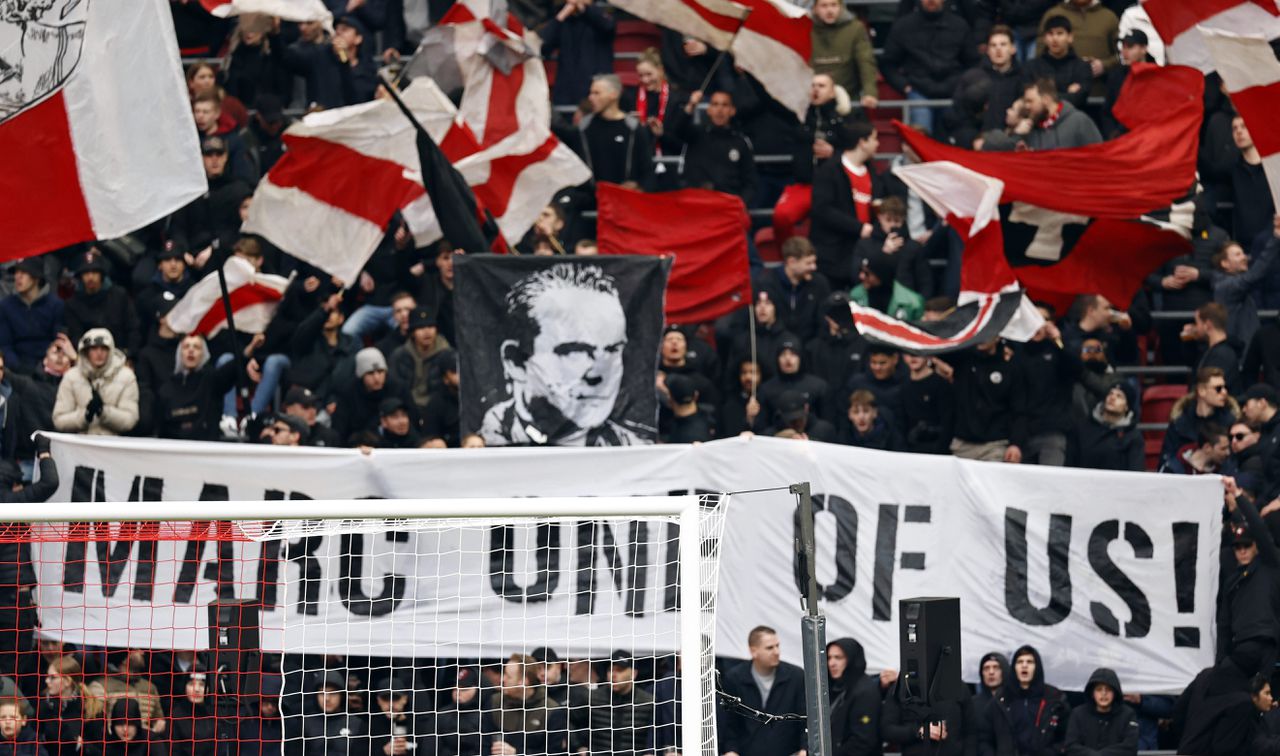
pixel 234 625
pixel 929 638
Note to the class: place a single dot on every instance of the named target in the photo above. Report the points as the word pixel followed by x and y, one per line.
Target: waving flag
pixel 991 302
pixel 1179 23
pixel 344 174
pixel 254 299
pixel 1065 232
pixel 705 230
pixel 289 10
pixel 770 39
pixel 95 126
pixel 1249 68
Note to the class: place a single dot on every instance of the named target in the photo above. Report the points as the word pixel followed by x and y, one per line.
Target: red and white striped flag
pixel 462 40
pixel 254 299
pixel 289 10
pixel 1249 68
pixel 770 39
pixel 991 302
pixel 345 172
pixel 95 126
pixel 1179 23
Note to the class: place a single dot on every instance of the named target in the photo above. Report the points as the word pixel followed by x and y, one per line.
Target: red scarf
pixel 1052 118
pixel 642 103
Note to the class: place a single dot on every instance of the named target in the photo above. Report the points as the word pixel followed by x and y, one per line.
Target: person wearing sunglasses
pixel 1208 402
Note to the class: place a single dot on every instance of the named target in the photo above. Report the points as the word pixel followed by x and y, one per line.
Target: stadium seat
pixel 767 246
pixel 1157 403
pixel 634 37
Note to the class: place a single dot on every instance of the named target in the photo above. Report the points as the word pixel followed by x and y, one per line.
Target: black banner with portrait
pixel 559 351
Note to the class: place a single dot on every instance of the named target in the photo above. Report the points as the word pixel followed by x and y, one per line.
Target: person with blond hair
pixel 69 715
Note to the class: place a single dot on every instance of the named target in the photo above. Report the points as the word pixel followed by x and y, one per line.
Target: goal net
pixel 354 628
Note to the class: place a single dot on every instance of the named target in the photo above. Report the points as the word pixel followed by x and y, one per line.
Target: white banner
pixel 1093 568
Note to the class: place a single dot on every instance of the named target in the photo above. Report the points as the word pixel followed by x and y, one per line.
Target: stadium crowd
pixel 86 348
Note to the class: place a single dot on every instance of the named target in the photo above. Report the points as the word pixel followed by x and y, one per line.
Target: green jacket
pixel 843 51
pixel 905 304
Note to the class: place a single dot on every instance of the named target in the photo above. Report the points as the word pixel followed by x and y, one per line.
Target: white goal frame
pixel 686 509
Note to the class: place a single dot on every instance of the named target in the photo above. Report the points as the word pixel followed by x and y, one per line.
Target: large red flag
pixel 705 230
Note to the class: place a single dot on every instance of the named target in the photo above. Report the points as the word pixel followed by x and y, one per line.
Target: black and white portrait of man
pixel 570 344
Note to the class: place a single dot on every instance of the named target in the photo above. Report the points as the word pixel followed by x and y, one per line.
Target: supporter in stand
pixel 855 700
pixel 189 398
pixel 1254 208
pixel 928 407
pixel 993 671
pixel 413 363
pixel 621 714
pixel 1050 371
pixel 865 427
pixel 99 396
pixel 794 418
pixel 836 353
pixel 613 144
pixel 1133 49
pixel 1234 280
pixel 458 723
pixel 765 683
pixel 716 155
pixel 1211 327
pixel 791 376
pixel 1203 456
pixel 1096 35
pixel 262 728
pixel 797 288
pixel 1070 73
pixel 202 77
pixel 1091 315
pixel 1003 74
pixel 770 334
pixel 881 289
pixel 740 410
pixel 884 378
pixel 1044 122
pixel 100 303
pixel 212 220
pixel 127 734
pixel 519 718
pixel 829 106
pixel 1103 724
pixel 1028 715
pixel 889 236
pixel 69 718
pixel 990 403
pixel 30 318
pixel 924 56
pixel 1108 438
pixel 193 727
pixel 582 36
pixel 331 729
pixel 844 190
pixel 440 418
pixel 842 50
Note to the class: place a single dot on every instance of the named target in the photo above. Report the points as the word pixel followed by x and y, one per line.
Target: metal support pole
pixel 813 632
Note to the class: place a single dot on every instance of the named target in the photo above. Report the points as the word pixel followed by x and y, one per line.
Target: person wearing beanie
pixel 30 318
pixel 359 402
pixel 790 375
pixel 332 729
pixel 262 731
pixel 1109 439
pixel 411 362
pixel 128 734
pixel 97 303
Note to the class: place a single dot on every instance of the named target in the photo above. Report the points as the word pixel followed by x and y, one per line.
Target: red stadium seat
pixel 635 36
pixel 1157 403
pixel 767 246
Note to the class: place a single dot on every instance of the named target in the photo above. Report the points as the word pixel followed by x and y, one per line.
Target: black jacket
pixel 747 737
pixel 835 358
pixel 189 403
pixel 1103 446
pixel 799 306
pixel 620 724
pixel 1212 719
pixel 1111 733
pixel 1065 71
pixel 1050 373
pixel 855 705
pixel 990 397
pixel 194 730
pixel 928 414
pixel 15 556
pixel 585 45
pixel 901 722
pixel 820 122
pixel 913 263
pixel 457 729
pixel 834 225
pixel 1025 722
pixel 928 52
pixel 1005 89
pixel 718 158
pixel 110 308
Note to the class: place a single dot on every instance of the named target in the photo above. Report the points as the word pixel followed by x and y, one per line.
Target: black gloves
pixel 94 409
pixel 42 444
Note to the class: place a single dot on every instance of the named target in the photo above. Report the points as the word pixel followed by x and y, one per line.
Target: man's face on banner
pixel 576 364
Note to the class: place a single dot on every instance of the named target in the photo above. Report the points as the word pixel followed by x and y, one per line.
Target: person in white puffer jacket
pixel 99 396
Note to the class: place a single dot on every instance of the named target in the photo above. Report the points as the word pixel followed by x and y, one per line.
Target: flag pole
pixel 706 82
pixel 241 388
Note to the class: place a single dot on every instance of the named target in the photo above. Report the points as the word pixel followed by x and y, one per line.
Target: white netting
pixel 529 635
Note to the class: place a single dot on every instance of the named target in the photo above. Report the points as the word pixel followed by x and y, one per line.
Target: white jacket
pixel 114 382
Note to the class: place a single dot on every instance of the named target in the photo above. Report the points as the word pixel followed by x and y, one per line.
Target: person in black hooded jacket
pixel 941 728
pixel 993 671
pixel 194 728
pixel 1105 725
pixel 126 734
pixel 1029 718
pixel 1109 438
pixel 189 399
pixel 855 700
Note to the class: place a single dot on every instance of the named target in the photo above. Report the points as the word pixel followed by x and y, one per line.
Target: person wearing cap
pixel 285 430
pixel 618 718
pixel 1134 47
pixel 1059 62
pixel 340 73
pixel 845 188
pixel 455 729
pixel 127 733
pixel 331 729
pixel 1248 615
pixel 689 423
pixel 359 403
pixel 264 136
pixel 790 376
pixel 1109 439
pixel 880 288
pixel 100 395
pixel 212 220
pixel 1095 35
pixel 170 283
pixel 412 362
pixel 188 399
pixel 395 425
pixel 1259 409
pixel 30 318
pixel 302 403
pixel 321 356
pixel 990 402
pixel 440 418
pixel 394 729
pixel 794 417
pixel 97 303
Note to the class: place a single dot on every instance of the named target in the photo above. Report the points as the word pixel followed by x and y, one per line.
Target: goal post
pixel 428 595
